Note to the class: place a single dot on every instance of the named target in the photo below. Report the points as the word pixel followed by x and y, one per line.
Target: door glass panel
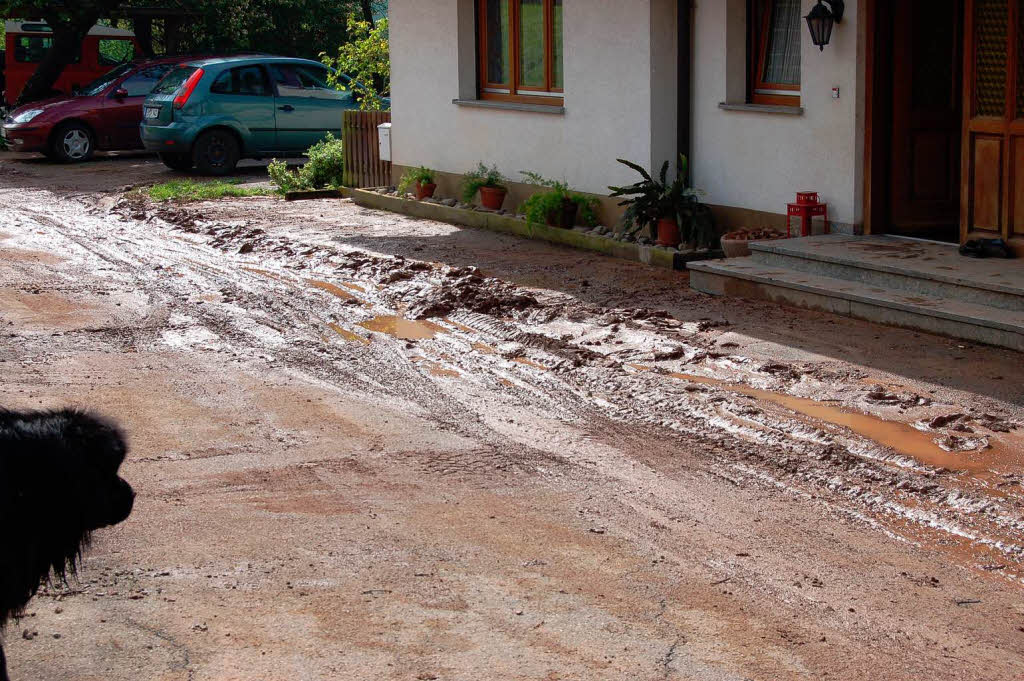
pixel 531 43
pixel 782 61
pixel 559 74
pixel 990 24
pixel 498 32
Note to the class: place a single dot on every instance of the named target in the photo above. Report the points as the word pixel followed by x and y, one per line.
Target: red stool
pixel 807 207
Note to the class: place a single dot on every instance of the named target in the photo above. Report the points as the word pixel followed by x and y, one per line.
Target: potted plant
pixel 489 182
pixel 422 179
pixel 558 207
pixel 673 211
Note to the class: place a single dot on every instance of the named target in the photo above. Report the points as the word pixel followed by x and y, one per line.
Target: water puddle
pixel 348 335
pixel 405 329
pixel 435 368
pixel 484 348
pixel 900 437
pixel 264 273
pixel 354 287
pixel 529 363
pixel 331 288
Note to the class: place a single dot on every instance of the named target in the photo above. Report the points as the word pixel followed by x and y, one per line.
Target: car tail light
pixel 187 87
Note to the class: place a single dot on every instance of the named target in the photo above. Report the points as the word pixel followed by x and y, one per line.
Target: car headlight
pixel 26 116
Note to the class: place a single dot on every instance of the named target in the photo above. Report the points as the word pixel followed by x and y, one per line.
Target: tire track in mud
pixel 537 358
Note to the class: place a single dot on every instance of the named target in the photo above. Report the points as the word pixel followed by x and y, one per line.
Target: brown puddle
pixel 348 335
pixel 264 273
pixel 484 348
pixel 354 287
pixel 900 437
pixel 330 288
pixel 405 329
pixel 529 363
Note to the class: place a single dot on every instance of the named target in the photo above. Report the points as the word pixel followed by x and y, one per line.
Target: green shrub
pixel 421 175
pixel 325 168
pixel 366 59
pixel 482 176
pixel 540 205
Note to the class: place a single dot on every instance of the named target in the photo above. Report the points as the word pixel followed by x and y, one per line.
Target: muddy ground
pixel 373 447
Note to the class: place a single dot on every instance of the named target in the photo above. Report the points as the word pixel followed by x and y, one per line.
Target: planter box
pixel 658 256
pixel 313 194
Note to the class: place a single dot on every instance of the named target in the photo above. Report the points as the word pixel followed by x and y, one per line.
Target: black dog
pixel 58 483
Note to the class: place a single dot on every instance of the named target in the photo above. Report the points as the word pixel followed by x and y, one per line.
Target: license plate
pixel 152 112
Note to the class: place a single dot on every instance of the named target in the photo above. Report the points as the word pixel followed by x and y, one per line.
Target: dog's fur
pixel 58 483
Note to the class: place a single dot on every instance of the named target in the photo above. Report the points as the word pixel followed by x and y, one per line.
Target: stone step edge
pixel 780 250
pixel 720 268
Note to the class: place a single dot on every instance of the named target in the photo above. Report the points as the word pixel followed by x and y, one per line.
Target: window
pixel 294 80
pixel 115 51
pixel 174 79
pixel 774 52
pixel 141 83
pixel 245 80
pixel 521 50
pixel 31 49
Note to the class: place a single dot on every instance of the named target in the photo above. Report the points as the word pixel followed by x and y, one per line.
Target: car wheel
pixel 181 162
pixel 72 143
pixel 216 152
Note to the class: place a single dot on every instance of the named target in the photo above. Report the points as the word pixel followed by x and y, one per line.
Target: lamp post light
pixel 821 20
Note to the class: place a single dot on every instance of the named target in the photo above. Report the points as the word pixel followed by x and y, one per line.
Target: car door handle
pixel 287 107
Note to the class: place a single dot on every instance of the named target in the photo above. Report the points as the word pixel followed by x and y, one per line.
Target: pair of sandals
pixel 986 248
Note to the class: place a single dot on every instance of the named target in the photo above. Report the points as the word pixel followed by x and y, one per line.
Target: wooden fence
pixel 363 167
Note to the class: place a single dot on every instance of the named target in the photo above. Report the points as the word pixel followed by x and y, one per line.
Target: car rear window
pixel 173 80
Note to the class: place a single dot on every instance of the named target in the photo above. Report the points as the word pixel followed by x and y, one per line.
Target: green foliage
pixel 653 199
pixel 366 59
pixel 324 169
pixel 421 175
pixel 481 176
pixel 539 206
pixel 193 190
pixel 296 28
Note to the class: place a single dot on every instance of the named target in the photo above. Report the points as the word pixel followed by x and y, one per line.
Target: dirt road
pixel 371 447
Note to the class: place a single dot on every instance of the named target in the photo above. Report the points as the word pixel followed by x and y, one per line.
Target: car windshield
pixel 104 81
pixel 173 80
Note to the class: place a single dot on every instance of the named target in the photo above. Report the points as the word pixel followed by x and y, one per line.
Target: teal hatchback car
pixel 209 114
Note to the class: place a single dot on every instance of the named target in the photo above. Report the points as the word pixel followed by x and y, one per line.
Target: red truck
pixel 27 42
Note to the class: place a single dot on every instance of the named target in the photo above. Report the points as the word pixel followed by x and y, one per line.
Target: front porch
pixel 891 280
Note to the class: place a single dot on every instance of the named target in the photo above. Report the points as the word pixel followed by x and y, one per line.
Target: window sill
pixel 510 106
pixel 762 108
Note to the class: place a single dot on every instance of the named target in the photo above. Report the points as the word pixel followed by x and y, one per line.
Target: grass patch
pixel 193 190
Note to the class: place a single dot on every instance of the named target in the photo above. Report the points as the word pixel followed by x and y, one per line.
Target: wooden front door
pixel 927 118
pixel 993 155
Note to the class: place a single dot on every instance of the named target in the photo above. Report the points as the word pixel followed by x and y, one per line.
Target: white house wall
pixel 758 160
pixel 611 49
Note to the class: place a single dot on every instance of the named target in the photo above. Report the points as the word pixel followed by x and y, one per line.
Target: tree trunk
pixel 367 6
pixel 67 44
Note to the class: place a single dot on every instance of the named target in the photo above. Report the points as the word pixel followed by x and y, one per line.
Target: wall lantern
pixel 821 20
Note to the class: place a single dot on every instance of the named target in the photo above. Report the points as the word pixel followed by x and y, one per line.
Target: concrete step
pixel 922 269
pixel 747 278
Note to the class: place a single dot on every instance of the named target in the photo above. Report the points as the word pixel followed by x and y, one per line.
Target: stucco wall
pixel 759 160
pixel 608 95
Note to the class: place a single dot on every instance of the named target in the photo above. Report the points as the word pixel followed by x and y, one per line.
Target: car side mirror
pixel 120 93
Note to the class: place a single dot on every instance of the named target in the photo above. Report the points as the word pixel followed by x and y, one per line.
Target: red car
pixel 103 115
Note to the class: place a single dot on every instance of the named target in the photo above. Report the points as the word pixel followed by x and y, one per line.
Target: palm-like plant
pixel 653 199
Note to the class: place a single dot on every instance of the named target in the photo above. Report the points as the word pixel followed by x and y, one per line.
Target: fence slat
pixel 363 166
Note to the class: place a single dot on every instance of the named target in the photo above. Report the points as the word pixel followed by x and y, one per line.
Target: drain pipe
pixel 685 69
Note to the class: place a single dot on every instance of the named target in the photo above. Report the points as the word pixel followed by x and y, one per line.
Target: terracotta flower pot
pixel 493 197
pixel 735 248
pixel 668 233
pixel 425 191
pixel 564 218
